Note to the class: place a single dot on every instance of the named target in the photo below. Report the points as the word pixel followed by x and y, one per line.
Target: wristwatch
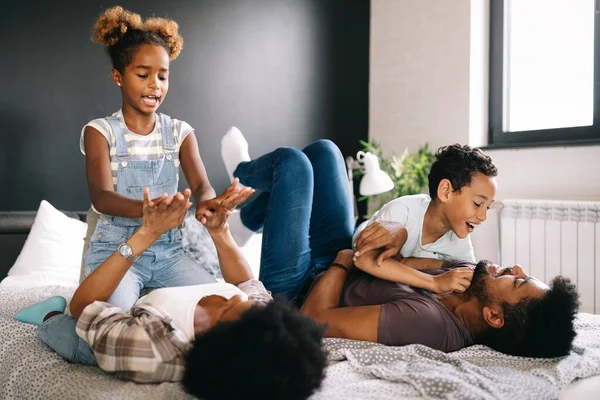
pixel 126 252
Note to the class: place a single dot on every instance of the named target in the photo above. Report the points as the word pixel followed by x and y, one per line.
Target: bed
pixel 357 370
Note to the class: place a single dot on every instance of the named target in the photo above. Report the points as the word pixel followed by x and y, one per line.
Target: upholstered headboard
pixel 14 228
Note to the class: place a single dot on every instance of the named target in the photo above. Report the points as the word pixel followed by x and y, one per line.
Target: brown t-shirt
pixel 408 315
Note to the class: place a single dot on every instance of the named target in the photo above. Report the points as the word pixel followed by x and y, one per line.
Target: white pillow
pixel 52 252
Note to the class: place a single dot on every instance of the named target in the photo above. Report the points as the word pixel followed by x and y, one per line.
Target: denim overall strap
pixel 168 140
pixel 115 124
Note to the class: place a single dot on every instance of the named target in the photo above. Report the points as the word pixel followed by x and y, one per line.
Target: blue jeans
pixel 59 333
pixel 305 210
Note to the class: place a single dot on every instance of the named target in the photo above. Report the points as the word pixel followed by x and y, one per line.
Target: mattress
pixel 357 370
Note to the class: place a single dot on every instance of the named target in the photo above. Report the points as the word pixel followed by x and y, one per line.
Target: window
pixel 543 65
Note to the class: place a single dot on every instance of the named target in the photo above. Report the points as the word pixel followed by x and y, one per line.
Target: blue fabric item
pixel 59 333
pixel 35 314
pixel 305 210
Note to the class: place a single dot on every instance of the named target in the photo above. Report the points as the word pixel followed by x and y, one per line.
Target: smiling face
pixel 494 287
pixel 512 285
pixel 467 208
pixel 145 80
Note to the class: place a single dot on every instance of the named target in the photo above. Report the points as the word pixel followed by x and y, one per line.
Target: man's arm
pixel 322 304
pixel 159 216
pixel 384 236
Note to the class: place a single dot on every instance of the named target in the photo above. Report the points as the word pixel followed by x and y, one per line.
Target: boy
pixel 462 187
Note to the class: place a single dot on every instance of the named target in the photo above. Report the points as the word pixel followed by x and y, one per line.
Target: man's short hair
pixel 458 163
pixel 271 352
pixel 537 327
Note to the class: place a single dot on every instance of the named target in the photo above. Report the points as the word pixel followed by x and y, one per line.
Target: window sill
pixel 558 143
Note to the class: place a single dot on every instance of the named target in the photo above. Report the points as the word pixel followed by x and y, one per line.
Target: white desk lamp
pixel 374 181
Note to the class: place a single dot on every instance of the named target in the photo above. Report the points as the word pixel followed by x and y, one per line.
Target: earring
pixel 119 84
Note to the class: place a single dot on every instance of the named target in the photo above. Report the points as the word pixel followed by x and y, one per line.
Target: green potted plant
pixel 408 171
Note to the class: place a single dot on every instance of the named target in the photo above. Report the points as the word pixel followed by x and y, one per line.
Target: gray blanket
pixel 359 370
pixel 371 371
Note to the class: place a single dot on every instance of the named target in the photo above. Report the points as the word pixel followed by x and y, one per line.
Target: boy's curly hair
pixel 271 352
pixel 122 32
pixel 458 163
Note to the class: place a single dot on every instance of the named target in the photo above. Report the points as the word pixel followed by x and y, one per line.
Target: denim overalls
pixel 164 264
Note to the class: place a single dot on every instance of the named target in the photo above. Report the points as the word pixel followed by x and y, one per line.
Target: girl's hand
pixel 455 280
pixel 164 213
pixel 230 198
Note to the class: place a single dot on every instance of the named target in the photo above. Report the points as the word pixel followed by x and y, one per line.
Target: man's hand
pixel 455 280
pixel 387 237
pixel 164 213
pixel 214 204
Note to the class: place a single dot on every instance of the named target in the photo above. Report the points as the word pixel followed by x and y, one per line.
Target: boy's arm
pixel 159 216
pixel 420 263
pixel 322 304
pixel 458 279
pixel 100 182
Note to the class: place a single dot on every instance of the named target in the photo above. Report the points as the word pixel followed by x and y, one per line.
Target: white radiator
pixel 550 238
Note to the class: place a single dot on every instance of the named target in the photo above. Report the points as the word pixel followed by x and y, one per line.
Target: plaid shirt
pixel 143 345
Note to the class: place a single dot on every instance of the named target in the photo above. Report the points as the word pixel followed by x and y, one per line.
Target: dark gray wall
pixel 286 72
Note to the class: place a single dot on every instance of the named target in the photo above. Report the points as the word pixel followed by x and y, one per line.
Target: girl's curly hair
pixel 122 32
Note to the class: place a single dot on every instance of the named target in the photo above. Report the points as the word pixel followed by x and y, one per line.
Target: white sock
pixel 241 234
pixel 234 150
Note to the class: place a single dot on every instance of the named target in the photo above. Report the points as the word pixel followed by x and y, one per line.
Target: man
pixel 503 309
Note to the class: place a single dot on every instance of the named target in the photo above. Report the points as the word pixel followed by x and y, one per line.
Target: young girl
pixel 136 148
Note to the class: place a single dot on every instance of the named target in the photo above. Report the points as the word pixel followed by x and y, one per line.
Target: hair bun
pixel 169 31
pixel 112 25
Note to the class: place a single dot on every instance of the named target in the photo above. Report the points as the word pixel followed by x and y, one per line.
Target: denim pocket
pixel 168 187
pixel 108 235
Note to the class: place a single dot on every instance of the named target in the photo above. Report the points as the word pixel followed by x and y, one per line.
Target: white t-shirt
pixel 410 211
pixel 141 147
pixel 179 303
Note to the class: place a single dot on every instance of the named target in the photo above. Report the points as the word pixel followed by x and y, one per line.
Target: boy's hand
pixel 385 236
pixel 214 204
pixel 164 213
pixel 457 280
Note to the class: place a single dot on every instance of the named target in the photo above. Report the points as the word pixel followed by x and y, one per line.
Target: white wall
pixel 428 82
pixel 419 75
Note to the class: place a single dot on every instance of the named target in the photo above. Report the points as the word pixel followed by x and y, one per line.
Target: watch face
pixel 125 250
